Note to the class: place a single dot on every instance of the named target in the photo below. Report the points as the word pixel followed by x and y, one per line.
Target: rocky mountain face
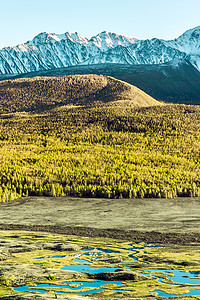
pixel 49 51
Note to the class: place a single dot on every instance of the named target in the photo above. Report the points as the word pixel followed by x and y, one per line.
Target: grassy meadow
pixel 109 151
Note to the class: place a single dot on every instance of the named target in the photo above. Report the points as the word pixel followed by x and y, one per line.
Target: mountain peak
pixel 188 42
pixel 51 50
pixel 191 31
pixel 107 39
pixel 41 38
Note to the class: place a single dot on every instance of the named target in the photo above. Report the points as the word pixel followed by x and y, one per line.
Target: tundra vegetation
pixel 31 258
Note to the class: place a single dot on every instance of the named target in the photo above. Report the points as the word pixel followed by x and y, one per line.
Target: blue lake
pixel 176 275
pixel 86 268
pixel 97 284
pixel 102 250
pixel 163 294
pixel 133 256
pixel 83 265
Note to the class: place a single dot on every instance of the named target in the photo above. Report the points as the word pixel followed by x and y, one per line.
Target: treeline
pixel 112 152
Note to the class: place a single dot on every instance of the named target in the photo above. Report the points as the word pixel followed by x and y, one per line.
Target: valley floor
pixel 160 233
pixel 148 220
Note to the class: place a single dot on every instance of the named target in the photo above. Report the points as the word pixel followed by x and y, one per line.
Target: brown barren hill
pixel 44 93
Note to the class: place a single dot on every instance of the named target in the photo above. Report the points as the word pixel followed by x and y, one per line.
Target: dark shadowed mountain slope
pixel 178 83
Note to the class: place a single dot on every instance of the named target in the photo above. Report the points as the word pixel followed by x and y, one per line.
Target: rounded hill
pixel 44 93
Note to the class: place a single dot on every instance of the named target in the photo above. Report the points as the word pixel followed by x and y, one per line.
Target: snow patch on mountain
pixel 49 50
pixel 189 42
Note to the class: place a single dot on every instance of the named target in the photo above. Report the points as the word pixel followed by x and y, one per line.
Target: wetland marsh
pixel 104 268
pixel 48 248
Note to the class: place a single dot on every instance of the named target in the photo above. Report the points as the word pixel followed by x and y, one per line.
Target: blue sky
pixel 21 20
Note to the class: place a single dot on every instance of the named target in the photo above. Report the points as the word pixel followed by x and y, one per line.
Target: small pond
pixel 84 264
pixel 163 294
pixel 74 287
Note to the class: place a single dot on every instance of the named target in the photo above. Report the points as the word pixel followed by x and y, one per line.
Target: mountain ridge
pixel 49 50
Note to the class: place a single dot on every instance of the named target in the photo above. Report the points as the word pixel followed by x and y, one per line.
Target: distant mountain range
pixel 167 70
pixel 49 50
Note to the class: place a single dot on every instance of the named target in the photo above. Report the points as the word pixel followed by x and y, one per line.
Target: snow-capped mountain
pixel 49 50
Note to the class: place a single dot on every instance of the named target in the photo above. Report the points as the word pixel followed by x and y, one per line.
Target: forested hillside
pixel 101 152
pixel 44 93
